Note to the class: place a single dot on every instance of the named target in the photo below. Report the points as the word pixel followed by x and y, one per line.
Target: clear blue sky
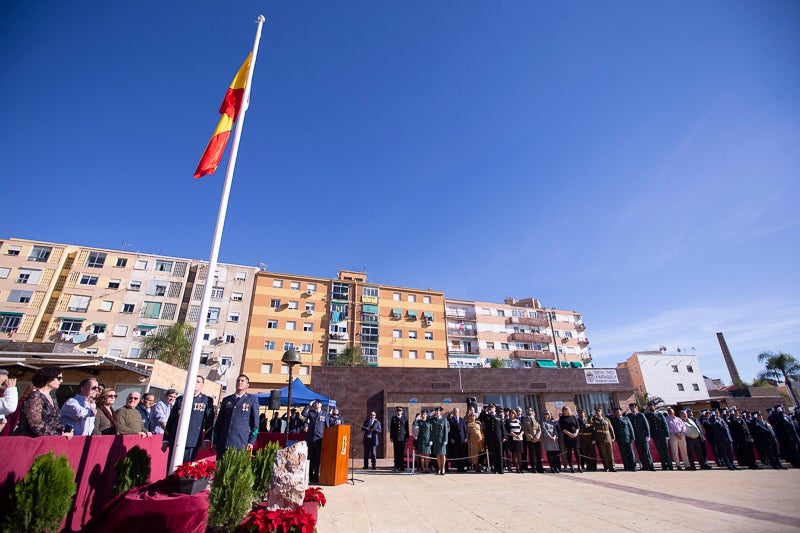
pixel 633 161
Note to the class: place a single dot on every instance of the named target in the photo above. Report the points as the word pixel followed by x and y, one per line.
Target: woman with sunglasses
pixel 39 413
pixel 105 423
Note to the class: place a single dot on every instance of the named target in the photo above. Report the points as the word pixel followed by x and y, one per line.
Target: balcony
pixel 458 332
pixel 521 320
pixel 583 342
pixel 529 337
pixel 453 313
pixel 337 336
pixel 534 354
pixel 580 327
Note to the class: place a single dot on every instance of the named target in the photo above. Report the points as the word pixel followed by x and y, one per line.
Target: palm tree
pixel 350 356
pixel 780 367
pixel 172 346
pixel 642 399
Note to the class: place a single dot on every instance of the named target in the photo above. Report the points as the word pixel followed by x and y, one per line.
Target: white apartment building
pixel 672 377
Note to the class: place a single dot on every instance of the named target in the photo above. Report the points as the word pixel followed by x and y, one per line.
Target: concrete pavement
pixel 721 500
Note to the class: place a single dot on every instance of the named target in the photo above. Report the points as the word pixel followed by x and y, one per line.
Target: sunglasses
pixel 133 398
pixel 111 395
pixel 60 378
pixel 97 388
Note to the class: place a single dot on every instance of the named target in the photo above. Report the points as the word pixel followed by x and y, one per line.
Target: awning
pixel 99 324
pixel 370 309
pixel 7 313
pixel 564 364
pixel 575 364
pixel 146 326
pixel 427 314
pixel 397 312
pixel 71 318
pixel 412 313
pixel 526 359
pixel 545 363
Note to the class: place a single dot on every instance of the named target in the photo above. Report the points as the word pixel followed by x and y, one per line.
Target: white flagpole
pixel 179 445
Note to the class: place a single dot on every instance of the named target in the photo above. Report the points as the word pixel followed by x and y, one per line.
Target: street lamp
pixel 290 358
pixel 551 314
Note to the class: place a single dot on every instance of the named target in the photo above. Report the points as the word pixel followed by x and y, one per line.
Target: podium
pixel 335 454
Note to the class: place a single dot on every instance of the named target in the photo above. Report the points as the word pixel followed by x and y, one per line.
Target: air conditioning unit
pixel 309 311
pixel 213 359
pixel 220 340
pixel 309 292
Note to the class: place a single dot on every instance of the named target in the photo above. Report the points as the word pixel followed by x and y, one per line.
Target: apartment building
pixel 519 333
pixel 320 317
pixel 674 377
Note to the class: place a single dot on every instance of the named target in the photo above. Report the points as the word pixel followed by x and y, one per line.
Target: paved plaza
pixel 716 500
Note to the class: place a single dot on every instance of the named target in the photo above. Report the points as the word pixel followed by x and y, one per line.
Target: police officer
pixel 603 436
pixel 334 418
pixel 641 432
pixel 623 430
pixel 494 432
pixel 586 443
pixel 660 434
pixel 237 423
pixel 315 424
pixel 398 433
pixel 201 423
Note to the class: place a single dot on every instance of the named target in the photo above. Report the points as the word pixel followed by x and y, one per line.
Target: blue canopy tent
pixel 301 395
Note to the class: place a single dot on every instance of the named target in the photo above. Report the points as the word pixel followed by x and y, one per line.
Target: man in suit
pixel 722 436
pixel 372 433
pixel 495 434
pixel 603 436
pixel 457 440
pixel 398 433
pixel 659 431
pixel 237 423
pixel 742 440
pixel 625 435
pixel 315 424
pixel 641 431
pixel 201 423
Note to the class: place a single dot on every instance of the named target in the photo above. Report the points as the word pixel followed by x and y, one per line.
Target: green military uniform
pixel 586 443
pixel 604 436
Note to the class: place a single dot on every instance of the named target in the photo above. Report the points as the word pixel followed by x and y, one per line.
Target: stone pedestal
pixel 289 481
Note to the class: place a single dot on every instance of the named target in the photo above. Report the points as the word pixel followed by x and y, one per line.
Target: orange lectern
pixel 335 454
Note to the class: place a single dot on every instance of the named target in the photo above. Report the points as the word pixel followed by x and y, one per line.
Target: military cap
pixel 633 404
pixel 650 403
pixel 704 412
pixel 398 408
pixel 617 408
pixel 597 407
pixel 755 413
pixel 438 409
pixel 492 405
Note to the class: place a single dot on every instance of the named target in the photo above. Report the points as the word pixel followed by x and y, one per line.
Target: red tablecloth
pixel 92 459
pixel 146 510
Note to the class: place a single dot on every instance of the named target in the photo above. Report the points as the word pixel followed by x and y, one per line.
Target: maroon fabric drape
pixel 92 459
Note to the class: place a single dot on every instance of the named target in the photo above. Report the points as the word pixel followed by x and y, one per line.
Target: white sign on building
pixel 595 376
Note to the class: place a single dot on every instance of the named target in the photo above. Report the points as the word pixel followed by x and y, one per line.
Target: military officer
pixel 201 423
pixel 398 433
pixel 722 436
pixel 659 431
pixel 237 423
pixel 603 436
pixel 742 440
pixel 624 433
pixel 494 431
pixel 315 424
pixel 586 443
pixel 641 431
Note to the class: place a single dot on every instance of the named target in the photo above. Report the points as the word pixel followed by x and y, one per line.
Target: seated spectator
pixel 105 423
pixel 39 414
pixel 129 421
pixel 80 410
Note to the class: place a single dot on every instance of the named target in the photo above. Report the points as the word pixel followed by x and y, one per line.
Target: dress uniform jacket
pixel 604 436
pixel 624 433
pixel 586 443
pixel 660 434
pixel 237 423
pixel 641 432
pixel 201 424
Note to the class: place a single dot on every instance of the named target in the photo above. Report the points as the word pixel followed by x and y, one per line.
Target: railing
pixel 529 337
pixel 526 321
pixel 462 332
pixel 534 354
pixel 455 314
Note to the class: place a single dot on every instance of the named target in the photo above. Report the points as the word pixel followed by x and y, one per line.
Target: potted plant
pixel 194 476
pixel 231 495
pixel 315 495
pixel 263 461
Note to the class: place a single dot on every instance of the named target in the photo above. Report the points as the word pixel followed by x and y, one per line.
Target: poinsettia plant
pixel 314 494
pixel 279 521
pixel 196 469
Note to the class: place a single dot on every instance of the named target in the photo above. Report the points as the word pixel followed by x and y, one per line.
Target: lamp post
pixel 290 358
pixel 551 314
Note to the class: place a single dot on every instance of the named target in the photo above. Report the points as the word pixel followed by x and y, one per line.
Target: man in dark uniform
pixel 334 418
pixel 315 424
pixel 766 442
pixel 494 432
pixel 457 440
pixel 641 431
pixel 586 443
pixel 201 423
pixel 398 433
pixel 237 423
pixel 603 436
pixel 787 436
pixel 624 433
pixel 722 436
pixel 742 441
pixel 660 434
pixel 705 420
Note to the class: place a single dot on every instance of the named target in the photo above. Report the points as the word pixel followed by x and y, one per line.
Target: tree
pixel 172 346
pixel 642 399
pixel 496 363
pixel 350 356
pixel 780 367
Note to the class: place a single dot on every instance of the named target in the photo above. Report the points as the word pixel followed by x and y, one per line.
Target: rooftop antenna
pixel 263 267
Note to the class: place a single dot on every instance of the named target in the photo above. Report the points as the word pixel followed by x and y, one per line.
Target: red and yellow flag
pixel 229 110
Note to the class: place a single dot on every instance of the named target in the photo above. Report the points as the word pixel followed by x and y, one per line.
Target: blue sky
pixel 635 162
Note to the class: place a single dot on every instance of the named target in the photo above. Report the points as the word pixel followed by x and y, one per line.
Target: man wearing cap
pixel 722 436
pixel 603 436
pixel 398 433
pixel 787 436
pixel 315 424
pixel 659 431
pixel 766 442
pixel 641 431
pixel 705 420
pixel 742 441
pixel 624 433
pixel 494 432
pixel 334 418
pixel 692 421
pixel 586 443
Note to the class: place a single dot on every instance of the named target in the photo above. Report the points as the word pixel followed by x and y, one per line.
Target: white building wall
pixel 665 374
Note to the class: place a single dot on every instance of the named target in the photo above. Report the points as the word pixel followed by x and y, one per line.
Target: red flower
pixel 279 521
pixel 314 494
pixel 196 469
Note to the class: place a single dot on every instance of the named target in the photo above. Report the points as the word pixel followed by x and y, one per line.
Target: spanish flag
pixel 229 110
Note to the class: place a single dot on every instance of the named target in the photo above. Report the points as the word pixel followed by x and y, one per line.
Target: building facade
pixel 672 377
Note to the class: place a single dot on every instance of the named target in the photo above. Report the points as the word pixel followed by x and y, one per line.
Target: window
pixel 308 326
pixel 369 333
pixel 277 283
pixel 412 334
pixel 412 298
pixel 674 368
pixel 213 315
pixel 428 335
pixel 114 283
pixel 412 354
pixel 88 280
pixel 140 264
pixel 293 305
pixel 396 296
pixel 311 288
pixel 29 276
pixel 121 262
pixel 22 297
pixel 230 338
pixel 305 347
pixel 120 330
pixel 106 305
pixel 9 323
pixel 156 288
pixel 309 308
pixel 115 352
pixel 429 355
pixel 341 291
pixel 13 250
pixel 690 369
pixel 96 259
pixel 291 325
pixel 78 303
pixel 426 299
pixel 504 346
pixel 294 285
pixel 237 296
pixel 217 292
pixel 70 326
pixel 272 324
pixel 275 303
pixel 370 292
pixel 370 353
pixel 127 308
pixel 288 346
pixel 680 386
pixel 303 370
pixel 5 272
pixel 175 288
pixel 134 286
pixel 397 354
pixel 489 345
pixel 266 368
pixel 40 254
pixel 233 316
pixel 269 345
pixel 163 266
pixel 241 275
pixel 500 312
pixel 152 310
pixel 397 334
